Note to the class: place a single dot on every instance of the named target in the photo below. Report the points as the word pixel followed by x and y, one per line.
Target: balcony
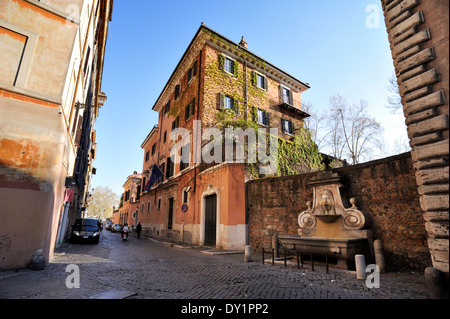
pixel 289 103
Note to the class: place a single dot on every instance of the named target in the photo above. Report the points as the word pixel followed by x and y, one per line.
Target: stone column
pixel 418 35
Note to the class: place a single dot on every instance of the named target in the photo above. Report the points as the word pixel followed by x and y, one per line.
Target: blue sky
pixel 325 43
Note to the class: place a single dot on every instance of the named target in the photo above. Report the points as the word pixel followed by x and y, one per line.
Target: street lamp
pixel 101 99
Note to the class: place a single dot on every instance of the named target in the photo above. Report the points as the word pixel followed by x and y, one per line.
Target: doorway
pixel 210 220
pixel 170 217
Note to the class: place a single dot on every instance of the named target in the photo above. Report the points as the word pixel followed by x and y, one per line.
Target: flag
pixel 68 195
pixel 156 174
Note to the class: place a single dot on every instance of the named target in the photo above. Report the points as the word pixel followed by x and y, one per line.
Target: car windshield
pixel 89 222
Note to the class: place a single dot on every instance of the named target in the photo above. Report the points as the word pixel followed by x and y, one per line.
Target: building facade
pixel 200 198
pixel 50 95
pixel 129 201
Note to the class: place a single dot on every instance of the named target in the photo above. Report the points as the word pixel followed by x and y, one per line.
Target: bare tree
pixel 315 124
pixel 352 131
pixel 101 202
pixel 394 99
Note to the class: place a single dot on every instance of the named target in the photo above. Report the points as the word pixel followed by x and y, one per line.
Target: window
pixel 162 167
pixel 287 126
pixel 177 91
pixel 176 123
pixel 170 167
pixel 142 208
pixel 192 72
pixel 185 156
pixel 286 95
pixel 148 207
pixel 228 103
pixel 185 196
pixel 153 148
pixel 165 137
pixel 263 117
pixel 259 80
pixel 167 108
pixel 147 155
pixel 159 203
pixel 228 65
pixel 189 110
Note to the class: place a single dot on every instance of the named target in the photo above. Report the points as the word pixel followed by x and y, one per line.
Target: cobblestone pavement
pixel 154 270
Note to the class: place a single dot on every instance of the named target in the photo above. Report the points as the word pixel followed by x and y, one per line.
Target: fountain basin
pixel 341 248
pixel 328 218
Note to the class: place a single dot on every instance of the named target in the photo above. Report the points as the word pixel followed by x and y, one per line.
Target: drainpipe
pixel 198 117
pixel 246 91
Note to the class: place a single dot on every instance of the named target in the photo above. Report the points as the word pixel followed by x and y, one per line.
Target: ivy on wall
pixel 295 156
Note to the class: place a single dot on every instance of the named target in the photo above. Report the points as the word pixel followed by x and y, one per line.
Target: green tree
pixel 101 202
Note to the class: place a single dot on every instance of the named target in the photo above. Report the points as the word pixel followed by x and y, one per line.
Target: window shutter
pixel 291 127
pixel 291 98
pixel 280 89
pixel 194 68
pixel 265 83
pixel 186 112
pixel 235 68
pixel 221 62
pixel 254 78
pixel 220 101
pixel 177 91
pixel 236 106
pixel 79 130
pixel 282 126
pixel 266 118
pixel 254 114
pixel 192 110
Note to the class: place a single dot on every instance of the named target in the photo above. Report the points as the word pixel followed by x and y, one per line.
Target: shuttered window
pixel 263 117
pixel 287 126
pixel 259 81
pixel 189 110
pixel 227 102
pixel 228 65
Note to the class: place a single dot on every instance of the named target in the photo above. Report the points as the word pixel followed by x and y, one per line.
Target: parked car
pixel 85 230
pixel 109 225
pixel 116 228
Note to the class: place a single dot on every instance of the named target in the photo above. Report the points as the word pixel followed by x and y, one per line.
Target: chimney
pixel 243 43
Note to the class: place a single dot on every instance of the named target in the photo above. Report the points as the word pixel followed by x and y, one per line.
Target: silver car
pixel 116 228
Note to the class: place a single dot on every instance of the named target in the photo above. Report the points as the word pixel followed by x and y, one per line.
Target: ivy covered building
pixel 216 84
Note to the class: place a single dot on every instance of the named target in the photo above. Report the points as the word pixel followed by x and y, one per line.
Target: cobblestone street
pixel 156 270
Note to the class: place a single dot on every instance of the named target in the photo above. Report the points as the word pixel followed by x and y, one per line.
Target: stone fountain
pixel 327 227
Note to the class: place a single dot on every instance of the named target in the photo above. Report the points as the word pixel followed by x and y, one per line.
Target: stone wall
pixel 385 189
pixel 418 36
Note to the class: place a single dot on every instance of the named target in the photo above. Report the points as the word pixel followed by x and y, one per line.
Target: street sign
pixel 184 208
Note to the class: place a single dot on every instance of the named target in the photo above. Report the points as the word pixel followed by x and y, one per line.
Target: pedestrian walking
pixel 138 230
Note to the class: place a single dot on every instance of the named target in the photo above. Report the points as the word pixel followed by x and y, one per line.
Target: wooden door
pixel 210 220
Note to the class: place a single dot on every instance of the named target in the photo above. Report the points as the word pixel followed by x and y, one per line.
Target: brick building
pixel 51 70
pixel 129 201
pixel 217 81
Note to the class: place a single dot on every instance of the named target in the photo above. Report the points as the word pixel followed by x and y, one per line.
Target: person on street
pixel 138 230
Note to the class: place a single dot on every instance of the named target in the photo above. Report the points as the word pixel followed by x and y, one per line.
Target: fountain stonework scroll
pixel 328 227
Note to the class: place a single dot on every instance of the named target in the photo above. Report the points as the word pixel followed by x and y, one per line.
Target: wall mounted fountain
pixel 328 227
